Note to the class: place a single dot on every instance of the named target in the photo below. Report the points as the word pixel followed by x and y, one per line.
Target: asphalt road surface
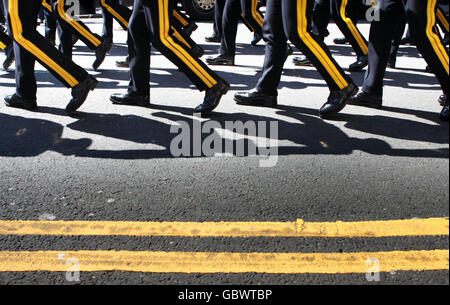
pixel 116 167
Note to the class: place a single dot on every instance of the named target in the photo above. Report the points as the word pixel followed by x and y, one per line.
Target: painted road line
pixel 300 228
pixel 201 262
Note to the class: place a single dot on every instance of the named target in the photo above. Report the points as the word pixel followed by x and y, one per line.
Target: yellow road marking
pixel 300 228
pixel 206 262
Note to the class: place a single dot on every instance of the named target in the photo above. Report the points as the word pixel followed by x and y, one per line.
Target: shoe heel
pixel 93 83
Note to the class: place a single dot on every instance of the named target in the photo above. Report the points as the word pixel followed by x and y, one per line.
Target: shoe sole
pixel 220 63
pixel 23 106
pixel 258 103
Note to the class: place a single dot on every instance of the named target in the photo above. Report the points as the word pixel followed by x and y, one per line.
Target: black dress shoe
pixel 197 51
pixel 360 63
pixel 123 63
pixel 80 93
pixel 100 53
pixel 337 101
pixel 9 51
pixel 256 38
pixel 212 97
pixel 444 114
pixel 365 99
pixel 302 62
pixel 212 39
pixel 341 40
pixel 130 99
pixel 255 98
pixel 18 102
pixel 443 100
pixel 221 60
pixel 190 28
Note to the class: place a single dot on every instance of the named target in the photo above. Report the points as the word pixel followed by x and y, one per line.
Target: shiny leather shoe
pixel 197 51
pixel 255 98
pixel 361 63
pixel 302 62
pixel 80 93
pixel 341 40
pixel 190 28
pixel 256 38
pixel 212 97
pixel 444 114
pixel 9 51
pixel 337 101
pixel 18 102
pixel 212 39
pixel 365 99
pixel 123 63
pixel 130 99
pixel 220 60
pixel 443 100
pixel 100 53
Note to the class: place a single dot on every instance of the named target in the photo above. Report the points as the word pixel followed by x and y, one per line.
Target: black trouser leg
pixel 321 18
pixel 112 9
pixel 30 45
pixel 347 26
pixel 398 35
pixel 218 14
pixel 275 52
pixel 5 40
pixel 421 16
pixel 380 39
pixel 76 26
pixel 50 25
pixel 139 49
pixel 231 16
pixel 253 17
pixel 297 18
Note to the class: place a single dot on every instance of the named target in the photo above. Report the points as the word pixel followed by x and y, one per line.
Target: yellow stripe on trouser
pixel 17 31
pixel 351 26
pixel 256 15
pixel 316 48
pixel 180 18
pixel 443 19
pixel 164 27
pixel 114 13
pixel 2 45
pixel 433 37
pixel 180 38
pixel 76 25
pixel 47 6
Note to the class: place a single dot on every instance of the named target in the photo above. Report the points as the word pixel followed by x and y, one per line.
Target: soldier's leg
pixel 351 32
pixel 252 15
pixel 297 18
pixel 276 43
pixel 30 45
pixel 421 16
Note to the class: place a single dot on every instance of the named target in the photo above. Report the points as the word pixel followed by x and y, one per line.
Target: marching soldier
pixel 122 14
pixel 30 46
pixel 341 13
pixel 421 16
pixel 150 24
pixel 6 44
pixel 76 27
pixel 291 19
pixel 232 11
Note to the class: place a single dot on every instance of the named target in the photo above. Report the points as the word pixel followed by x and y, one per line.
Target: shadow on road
pixel 308 134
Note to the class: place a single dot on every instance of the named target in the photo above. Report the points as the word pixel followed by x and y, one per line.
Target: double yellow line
pixel 210 262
